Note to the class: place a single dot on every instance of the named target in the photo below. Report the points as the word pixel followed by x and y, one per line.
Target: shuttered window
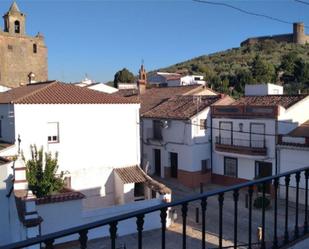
pixel 53 132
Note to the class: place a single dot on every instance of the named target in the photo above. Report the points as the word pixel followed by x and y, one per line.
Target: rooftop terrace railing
pixel 278 240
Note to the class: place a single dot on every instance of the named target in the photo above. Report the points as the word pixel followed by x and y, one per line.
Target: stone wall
pixel 18 58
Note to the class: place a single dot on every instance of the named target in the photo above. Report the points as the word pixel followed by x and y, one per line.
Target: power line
pixel 303 2
pixel 246 11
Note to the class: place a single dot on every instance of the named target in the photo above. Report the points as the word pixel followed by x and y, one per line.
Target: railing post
pixel 250 193
pixel 306 202
pixel 296 230
pixel 49 244
pixel 221 200
pixel 263 215
pixel 286 228
pixel 163 215
pixel 235 197
pixel 184 211
pixel 204 206
pixel 113 234
pixel 140 224
pixel 83 238
pixel 275 240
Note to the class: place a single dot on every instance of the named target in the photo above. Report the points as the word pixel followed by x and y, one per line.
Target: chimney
pixel 31 77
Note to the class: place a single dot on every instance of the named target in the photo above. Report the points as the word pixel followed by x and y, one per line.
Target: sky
pixel 98 38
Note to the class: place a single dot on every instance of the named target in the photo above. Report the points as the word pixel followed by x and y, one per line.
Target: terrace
pixel 227 219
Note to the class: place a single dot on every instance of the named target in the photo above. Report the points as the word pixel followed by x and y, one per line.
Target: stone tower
pixel 299 35
pixel 142 79
pixel 22 57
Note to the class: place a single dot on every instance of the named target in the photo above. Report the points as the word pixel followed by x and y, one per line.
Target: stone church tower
pixel 142 80
pixel 23 58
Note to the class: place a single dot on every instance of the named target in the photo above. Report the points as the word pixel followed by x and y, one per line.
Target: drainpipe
pixel 276 142
pixel 141 141
pixel 211 145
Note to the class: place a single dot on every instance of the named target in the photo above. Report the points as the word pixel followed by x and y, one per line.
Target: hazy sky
pixel 101 37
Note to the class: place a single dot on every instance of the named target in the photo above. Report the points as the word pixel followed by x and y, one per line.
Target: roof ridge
pixel 48 84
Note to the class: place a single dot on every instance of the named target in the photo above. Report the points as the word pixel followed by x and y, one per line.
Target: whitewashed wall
pixel 72 215
pixel 7 121
pixel 182 137
pixel 101 87
pixel 93 139
pixel 246 163
pixel 4 204
pixel 293 117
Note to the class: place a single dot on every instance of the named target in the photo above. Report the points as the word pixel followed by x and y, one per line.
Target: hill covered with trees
pixel 265 62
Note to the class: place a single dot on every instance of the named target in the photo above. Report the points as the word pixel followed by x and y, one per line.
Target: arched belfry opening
pixel 17 27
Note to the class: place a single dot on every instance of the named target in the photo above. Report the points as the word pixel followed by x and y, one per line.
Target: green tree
pixel 41 173
pixel 244 77
pixel 123 76
pixel 262 71
pixel 288 63
pixel 301 71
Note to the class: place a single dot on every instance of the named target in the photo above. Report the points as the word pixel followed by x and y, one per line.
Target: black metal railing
pixel 250 143
pixel 297 179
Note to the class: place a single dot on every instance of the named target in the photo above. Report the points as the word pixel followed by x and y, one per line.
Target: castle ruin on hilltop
pixel 298 36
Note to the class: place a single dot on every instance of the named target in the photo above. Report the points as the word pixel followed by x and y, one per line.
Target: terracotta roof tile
pixel 301 131
pixel 135 174
pixel 131 174
pixel 285 101
pixel 155 96
pixel 54 92
pixel 181 107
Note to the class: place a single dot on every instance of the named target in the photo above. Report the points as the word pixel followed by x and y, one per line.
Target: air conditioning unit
pixel 165 124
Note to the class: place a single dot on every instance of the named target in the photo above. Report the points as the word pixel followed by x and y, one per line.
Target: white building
pixel 97 137
pixel 98 86
pixel 263 89
pixel 176 138
pixel 174 79
pixel 245 134
pixel 293 153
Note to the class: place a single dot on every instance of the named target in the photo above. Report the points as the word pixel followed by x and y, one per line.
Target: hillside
pixel 268 61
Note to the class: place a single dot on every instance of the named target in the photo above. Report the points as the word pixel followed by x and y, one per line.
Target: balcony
pixel 241 146
pixel 279 225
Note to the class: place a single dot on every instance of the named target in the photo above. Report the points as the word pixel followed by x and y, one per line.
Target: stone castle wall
pixel 298 36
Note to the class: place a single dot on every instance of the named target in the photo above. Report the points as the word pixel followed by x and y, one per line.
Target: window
pixel 17 27
pixel 35 48
pixel 157 129
pixel 10 47
pixel 230 166
pixel 203 124
pixel 204 166
pixel 53 132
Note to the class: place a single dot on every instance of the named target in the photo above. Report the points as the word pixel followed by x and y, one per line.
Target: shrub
pixel 41 174
pixel 259 201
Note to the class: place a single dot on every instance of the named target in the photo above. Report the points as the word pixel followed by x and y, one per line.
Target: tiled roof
pixel 301 131
pixel 65 195
pixel 131 174
pixel 155 96
pixel 181 107
pixel 285 101
pixel 4 160
pixel 4 145
pixel 54 92
pixel 135 174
